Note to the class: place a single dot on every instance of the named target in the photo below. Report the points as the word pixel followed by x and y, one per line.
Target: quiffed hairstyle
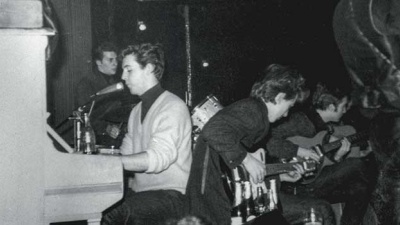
pixel 324 95
pixel 104 47
pixel 280 79
pixel 147 54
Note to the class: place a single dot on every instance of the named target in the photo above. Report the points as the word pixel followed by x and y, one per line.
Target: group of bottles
pixel 246 207
pixel 86 139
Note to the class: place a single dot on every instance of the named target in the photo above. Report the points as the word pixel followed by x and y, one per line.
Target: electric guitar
pixel 239 174
pixel 322 149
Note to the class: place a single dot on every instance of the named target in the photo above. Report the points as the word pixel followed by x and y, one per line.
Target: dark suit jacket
pixel 227 136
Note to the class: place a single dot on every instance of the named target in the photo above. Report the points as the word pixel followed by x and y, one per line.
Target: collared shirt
pixel 149 97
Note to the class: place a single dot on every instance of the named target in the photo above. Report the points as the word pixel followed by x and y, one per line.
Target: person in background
pixel 232 133
pixel 103 75
pixel 347 179
pixel 157 146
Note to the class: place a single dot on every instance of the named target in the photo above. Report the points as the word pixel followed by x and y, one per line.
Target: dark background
pixel 238 38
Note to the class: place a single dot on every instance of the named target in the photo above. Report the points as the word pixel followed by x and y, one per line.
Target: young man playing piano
pixel 345 179
pixel 232 133
pixel 157 146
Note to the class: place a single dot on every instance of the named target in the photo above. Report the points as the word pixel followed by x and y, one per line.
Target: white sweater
pixel 166 137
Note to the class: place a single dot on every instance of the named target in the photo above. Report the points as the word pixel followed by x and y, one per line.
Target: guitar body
pixel 305 142
pixel 316 141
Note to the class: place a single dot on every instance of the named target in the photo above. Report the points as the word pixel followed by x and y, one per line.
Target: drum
pixel 205 110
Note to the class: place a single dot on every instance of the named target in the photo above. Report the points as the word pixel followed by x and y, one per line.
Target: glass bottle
pixel 88 138
pixel 236 212
pixel 272 186
pixel 313 217
pixel 236 215
pixel 260 201
pixel 272 196
pixel 77 135
pixel 248 209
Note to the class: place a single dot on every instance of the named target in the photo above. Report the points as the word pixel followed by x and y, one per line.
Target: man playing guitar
pixel 230 135
pixel 346 179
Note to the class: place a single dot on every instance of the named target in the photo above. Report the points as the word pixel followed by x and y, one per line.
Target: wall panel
pixel 73 55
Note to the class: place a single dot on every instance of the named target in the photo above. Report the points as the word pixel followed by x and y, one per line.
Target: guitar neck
pixel 278 168
pixel 336 144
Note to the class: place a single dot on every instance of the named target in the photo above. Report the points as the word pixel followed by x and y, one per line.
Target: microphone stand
pixel 77 119
pixel 80 109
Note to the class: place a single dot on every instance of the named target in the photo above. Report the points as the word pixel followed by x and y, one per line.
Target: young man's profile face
pixel 108 65
pixel 133 75
pixel 340 110
pixel 280 108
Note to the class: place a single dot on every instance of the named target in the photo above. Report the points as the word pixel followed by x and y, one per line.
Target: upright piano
pixel 79 187
pixel 40 184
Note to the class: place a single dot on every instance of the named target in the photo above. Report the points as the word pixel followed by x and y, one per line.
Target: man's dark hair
pixel 325 95
pixel 147 53
pixel 104 47
pixel 279 79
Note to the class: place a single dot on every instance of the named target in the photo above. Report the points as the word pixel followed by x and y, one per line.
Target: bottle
pixel 88 138
pixel 236 215
pixel 236 212
pixel 77 135
pixel 259 201
pixel 273 195
pixel 248 208
pixel 313 218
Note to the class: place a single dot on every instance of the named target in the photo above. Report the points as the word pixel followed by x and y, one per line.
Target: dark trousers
pixel 145 208
pixel 349 181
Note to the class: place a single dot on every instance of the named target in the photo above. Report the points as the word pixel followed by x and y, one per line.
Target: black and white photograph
pixel 200 112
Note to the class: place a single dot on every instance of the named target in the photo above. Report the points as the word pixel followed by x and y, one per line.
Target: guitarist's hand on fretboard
pixel 343 150
pixel 328 149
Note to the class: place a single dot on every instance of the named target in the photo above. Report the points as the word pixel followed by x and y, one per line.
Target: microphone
pixel 110 89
